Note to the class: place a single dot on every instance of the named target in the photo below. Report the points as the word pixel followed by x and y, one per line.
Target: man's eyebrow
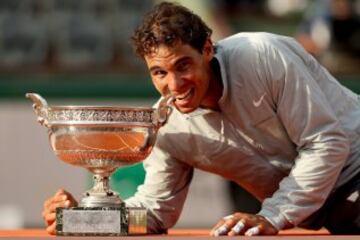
pixel 153 68
pixel 182 59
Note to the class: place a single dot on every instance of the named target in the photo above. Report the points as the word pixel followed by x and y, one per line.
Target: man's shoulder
pixel 251 47
pixel 245 37
pixel 251 40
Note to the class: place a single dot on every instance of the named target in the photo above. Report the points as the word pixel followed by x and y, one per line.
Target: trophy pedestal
pixel 100 221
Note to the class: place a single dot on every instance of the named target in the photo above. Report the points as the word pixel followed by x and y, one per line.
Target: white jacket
pixel 287 132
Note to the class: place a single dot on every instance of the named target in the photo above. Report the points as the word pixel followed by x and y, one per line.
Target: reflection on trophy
pixel 101 139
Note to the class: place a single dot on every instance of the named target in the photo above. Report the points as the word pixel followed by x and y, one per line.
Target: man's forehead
pixel 161 51
pixel 164 51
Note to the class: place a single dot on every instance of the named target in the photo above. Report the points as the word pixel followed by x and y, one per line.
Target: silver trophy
pixel 101 139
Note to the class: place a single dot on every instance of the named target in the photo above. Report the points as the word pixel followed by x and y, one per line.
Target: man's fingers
pixel 69 196
pixel 238 229
pixel 60 199
pixel 222 230
pixel 50 217
pixel 228 217
pixel 60 195
pixel 51 229
pixel 60 191
pixel 64 204
pixel 217 225
pixel 224 226
pixel 253 231
pixel 243 224
pixel 52 207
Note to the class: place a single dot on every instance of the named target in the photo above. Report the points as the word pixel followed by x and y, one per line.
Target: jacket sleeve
pixel 165 187
pixel 312 125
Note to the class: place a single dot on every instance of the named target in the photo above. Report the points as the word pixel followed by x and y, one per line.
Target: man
pixel 256 109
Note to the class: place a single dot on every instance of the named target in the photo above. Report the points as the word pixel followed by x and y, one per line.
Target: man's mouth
pixel 185 95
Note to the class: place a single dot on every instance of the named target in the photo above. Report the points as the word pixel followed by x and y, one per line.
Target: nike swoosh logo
pixel 258 102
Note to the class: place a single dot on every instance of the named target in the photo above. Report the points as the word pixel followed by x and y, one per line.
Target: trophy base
pixel 100 221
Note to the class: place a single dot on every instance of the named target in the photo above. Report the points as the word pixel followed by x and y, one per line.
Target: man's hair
pixel 170 24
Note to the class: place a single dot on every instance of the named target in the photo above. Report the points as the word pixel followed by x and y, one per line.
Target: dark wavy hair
pixel 168 24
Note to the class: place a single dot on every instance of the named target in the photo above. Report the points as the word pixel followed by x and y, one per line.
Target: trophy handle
pixel 40 107
pixel 163 111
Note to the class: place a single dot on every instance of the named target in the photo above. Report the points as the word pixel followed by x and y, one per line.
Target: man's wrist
pixel 277 220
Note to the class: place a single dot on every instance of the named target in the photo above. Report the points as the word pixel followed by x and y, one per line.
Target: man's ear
pixel 208 49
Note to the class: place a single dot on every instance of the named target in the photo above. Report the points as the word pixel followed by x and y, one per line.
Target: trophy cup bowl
pixel 101 139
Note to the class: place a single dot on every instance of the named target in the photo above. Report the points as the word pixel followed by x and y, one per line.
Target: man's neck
pixel 215 88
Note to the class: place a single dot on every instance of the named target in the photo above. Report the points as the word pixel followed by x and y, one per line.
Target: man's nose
pixel 175 82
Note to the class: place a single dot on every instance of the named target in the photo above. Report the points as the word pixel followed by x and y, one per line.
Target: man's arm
pixel 290 77
pixel 165 187
pixel 311 123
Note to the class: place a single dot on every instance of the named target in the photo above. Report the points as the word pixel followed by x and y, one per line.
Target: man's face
pixel 182 72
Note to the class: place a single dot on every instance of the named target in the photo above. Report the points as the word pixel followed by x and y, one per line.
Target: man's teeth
pixel 184 95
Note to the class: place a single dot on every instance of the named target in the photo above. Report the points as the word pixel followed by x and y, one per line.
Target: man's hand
pixel 243 224
pixel 60 199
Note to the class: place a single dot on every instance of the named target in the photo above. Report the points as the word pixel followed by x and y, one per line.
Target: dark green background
pixel 100 86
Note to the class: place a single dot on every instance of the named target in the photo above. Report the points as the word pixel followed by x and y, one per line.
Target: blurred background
pixel 79 53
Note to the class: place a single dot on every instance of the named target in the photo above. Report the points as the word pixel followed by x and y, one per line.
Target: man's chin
pixel 185 109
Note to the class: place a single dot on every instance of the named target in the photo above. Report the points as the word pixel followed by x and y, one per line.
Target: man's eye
pixel 183 66
pixel 159 73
